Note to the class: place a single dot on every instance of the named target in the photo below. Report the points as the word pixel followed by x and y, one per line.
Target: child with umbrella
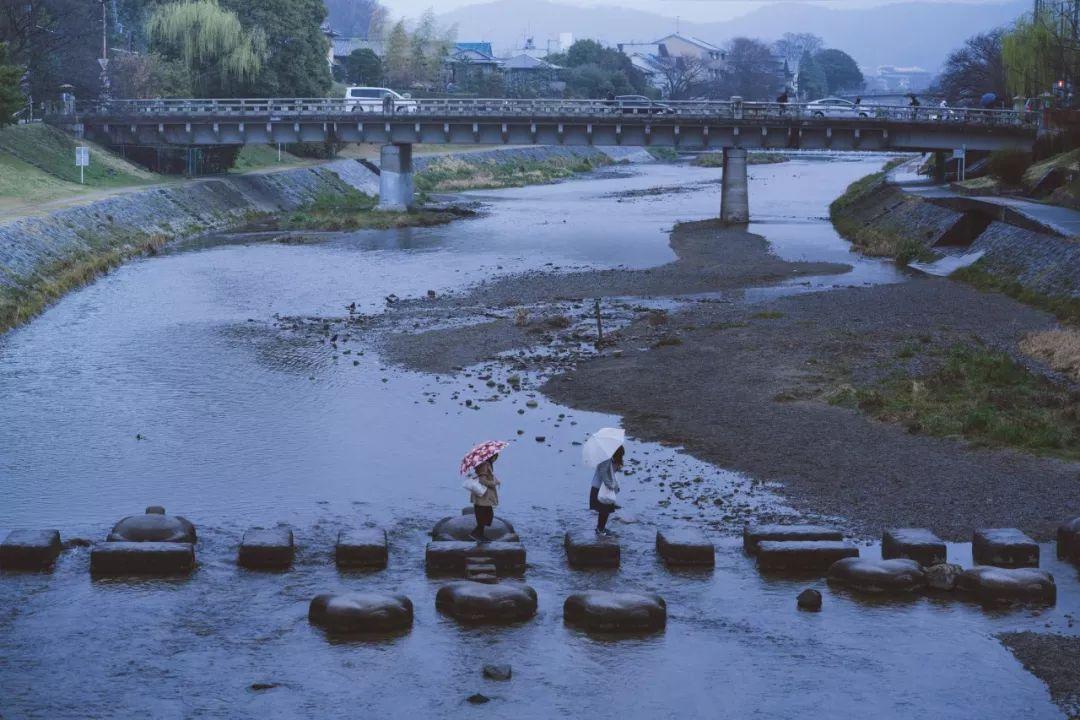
pixel 484 488
pixel 603 452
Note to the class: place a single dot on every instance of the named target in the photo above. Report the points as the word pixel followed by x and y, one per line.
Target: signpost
pixel 960 155
pixel 82 161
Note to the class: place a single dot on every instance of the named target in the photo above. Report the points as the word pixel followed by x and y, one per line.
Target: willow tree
pixel 1037 53
pixel 218 51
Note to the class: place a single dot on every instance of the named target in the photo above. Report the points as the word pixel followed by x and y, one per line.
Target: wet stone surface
pixel 267 549
pixel 615 612
pixel 685 546
pixel 30 549
pixel 361 612
pixel 802 554
pixel 919 544
pixel 754 534
pixel 458 528
pixel 153 527
pixel 898 575
pixel 1068 539
pixel 943 576
pixel 1004 547
pixel 584 548
pixel 809 599
pixel 360 548
pixel 142 558
pixel 452 557
pixel 1006 585
pixel 498 672
pixel 473 602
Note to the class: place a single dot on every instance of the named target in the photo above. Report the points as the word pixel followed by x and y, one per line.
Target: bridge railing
pixel 276 109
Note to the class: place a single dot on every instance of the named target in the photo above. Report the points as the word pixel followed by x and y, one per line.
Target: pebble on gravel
pixel 1068 539
pixel 1004 547
pixel 452 557
pixel 30 549
pixel 917 544
pixel 458 527
pixel 809 599
pixel 802 554
pixel 1007 585
pixel 896 575
pixel 685 546
pixel 142 558
pixel 473 602
pixel 584 548
pixel 361 547
pixel 943 576
pixel 153 527
pixel 754 534
pixel 619 612
pixel 361 612
pixel 267 548
pixel 478 699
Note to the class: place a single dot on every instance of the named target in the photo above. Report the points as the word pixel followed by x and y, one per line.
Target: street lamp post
pixel 104 60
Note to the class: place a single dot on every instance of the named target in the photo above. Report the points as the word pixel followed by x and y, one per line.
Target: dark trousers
pixel 603 510
pixel 485 514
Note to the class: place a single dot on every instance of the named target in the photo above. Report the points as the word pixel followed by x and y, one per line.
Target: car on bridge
pixel 834 107
pixel 372 99
pixel 640 105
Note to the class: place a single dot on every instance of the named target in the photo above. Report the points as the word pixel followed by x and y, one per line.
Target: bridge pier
pixel 396 177
pixel 734 192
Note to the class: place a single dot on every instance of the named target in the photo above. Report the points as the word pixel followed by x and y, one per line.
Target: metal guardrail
pixel 440 108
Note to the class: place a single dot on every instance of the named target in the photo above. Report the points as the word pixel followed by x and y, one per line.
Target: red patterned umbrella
pixel 480 453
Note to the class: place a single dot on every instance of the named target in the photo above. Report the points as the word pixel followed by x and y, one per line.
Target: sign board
pixel 959 153
pixel 82 156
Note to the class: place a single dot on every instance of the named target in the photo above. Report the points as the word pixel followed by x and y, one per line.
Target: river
pixel 167 382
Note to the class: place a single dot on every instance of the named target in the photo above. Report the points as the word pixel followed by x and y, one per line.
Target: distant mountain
pixel 906 33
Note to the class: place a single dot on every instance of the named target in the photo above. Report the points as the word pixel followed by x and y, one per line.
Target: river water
pixel 167 382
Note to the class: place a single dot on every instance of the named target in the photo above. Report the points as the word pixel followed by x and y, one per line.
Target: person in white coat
pixel 605 476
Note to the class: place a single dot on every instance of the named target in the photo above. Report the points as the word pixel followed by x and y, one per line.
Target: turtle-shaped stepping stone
pixel 615 612
pixel 153 526
pixel 477 602
pixel 361 612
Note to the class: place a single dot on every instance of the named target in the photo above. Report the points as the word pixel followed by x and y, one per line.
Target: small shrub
pixel 1060 349
pixel 768 315
pixel 1009 166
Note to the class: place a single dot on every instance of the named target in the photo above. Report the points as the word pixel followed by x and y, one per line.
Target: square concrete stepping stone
pixel 452 557
pixel 1008 585
pixel 754 534
pixel 895 575
pixel 142 558
pixel 918 544
pixel 1068 539
pixel 361 547
pixel 802 554
pixel 615 612
pixel 685 546
pixel 267 549
pixel 584 548
pixel 1004 547
pixel 30 549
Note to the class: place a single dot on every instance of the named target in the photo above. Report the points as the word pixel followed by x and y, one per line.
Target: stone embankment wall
pixel 538 153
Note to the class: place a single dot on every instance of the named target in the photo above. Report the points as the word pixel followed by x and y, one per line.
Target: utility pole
pixel 104 60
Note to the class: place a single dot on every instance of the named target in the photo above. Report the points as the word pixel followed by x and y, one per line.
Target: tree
pixel 55 41
pixel 11 97
pixel 1040 51
pixel 397 58
pixel 363 67
pixel 791 46
pixel 812 80
pixel 428 47
pixel 752 71
pixel 594 70
pixel 681 74
pixel 352 17
pixel 974 69
pixel 841 71
pixel 210 42
pixel 149 76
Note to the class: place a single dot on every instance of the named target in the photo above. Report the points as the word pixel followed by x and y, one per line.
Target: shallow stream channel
pixel 172 381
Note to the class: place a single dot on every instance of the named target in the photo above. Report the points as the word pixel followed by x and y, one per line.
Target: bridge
pixel 733 126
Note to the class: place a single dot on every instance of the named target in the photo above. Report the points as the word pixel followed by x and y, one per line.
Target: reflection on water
pixel 243 424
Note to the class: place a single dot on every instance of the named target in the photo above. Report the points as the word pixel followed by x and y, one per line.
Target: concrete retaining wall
pixel 1045 263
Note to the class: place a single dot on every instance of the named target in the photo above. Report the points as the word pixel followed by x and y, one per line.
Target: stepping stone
pixel 153 527
pixel 1007 585
pixel 617 612
pixel 754 534
pixel 480 569
pixel 267 549
pixel 458 528
pixel 584 548
pixel 1004 547
pixel 802 554
pixel 361 547
pixel 917 544
pixel 474 602
pixel 361 612
pixel 943 576
pixel 30 549
pixel 142 558
pixel 897 575
pixel 1068 540
pixel 685 546
pixel 452 557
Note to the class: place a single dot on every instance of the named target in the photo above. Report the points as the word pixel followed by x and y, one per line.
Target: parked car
pixel 641 105
pixel 370 99
pixel 834 107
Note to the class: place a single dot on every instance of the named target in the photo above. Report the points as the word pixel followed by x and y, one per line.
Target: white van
pixel 370 99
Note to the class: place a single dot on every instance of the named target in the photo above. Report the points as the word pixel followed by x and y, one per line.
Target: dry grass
pixel 1060 349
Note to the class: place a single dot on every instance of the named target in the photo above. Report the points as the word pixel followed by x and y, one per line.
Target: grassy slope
pixel 257 157
pixel 53 152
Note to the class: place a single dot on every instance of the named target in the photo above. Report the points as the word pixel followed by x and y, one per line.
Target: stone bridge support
pixel 396 177
pixel 734 192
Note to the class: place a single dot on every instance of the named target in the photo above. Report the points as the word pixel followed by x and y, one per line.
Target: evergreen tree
pixel 841 71
pixel 11 97
pixel 812 81
pixel 297 64
pixel 363 67
pixel 397 59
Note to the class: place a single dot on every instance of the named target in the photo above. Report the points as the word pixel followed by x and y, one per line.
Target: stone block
pixel 802 554
pixel 615 612
pixel 1004 547
pixel 267 548
pixel 943 576
pixel 361 547
pixel 809 599
pixel 458 528
pixel 474 602
pixel 452 557
pixel 142 558
pixel 896 575
pixel 361 612
pixel 754 534
pixel 917 544
pixel 584 548
pixel 1068 540
pixel 1008 585
pixel 685 546
pixel 153 527
pixel 30 549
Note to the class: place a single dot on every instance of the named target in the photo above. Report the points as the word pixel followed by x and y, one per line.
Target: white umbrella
pixel 601 445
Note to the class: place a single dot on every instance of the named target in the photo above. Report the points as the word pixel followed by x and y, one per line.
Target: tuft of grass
pixel 255 157
pixel 453 174
pixel 768 315
pixel 984 396
pixel 1066 308
pixel 353 210
pixel 665 154
pixel 1060 349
